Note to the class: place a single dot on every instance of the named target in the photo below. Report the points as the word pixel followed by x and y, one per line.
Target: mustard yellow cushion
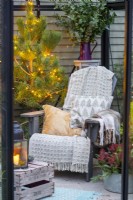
pixel 57 122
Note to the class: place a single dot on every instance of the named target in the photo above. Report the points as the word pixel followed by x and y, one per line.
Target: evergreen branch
pixel 22 68
pixel 31 69
pixel 28 68
pixel 25 71
pixel 56 92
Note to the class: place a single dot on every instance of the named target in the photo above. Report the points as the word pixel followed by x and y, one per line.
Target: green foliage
pixel 50 40
pixel 118 94
pixel 119 72
pixel 110 160
pixel 38 76
pixel 84 19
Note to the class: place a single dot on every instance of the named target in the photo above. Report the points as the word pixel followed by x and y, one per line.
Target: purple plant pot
pixel 85 51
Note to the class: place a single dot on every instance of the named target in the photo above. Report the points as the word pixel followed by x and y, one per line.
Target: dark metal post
pixel 7 79
pixel 38 8
pixel 105 49
pixel 127 96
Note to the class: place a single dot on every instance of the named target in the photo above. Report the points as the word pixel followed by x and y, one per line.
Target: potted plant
pixel 110 163
pixel 38 75
pixel 83 21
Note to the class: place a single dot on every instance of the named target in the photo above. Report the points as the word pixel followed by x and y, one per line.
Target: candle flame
pixel 16 159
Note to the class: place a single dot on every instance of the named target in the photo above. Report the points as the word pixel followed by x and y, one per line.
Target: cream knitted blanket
pixel 90 81
pixel 64 152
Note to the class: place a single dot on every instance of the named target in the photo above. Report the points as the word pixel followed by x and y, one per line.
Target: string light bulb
pixel 39 96
pixel 30 3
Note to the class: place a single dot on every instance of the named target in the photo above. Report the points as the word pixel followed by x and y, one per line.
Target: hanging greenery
pixel 38 76
pixel 83 20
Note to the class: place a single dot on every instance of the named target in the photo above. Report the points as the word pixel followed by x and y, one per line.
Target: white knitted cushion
pixel 85 107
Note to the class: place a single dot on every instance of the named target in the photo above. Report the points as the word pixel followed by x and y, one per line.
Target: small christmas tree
pixel 38 76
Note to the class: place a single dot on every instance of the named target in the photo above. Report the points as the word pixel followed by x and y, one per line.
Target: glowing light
pixel 30 3
pixel 21 53
pixel 46 54
pixel 16 159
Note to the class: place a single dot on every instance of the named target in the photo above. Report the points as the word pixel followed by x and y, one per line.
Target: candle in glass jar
pixel 16 159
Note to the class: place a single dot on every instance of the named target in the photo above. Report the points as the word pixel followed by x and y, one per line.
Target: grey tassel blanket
pixel 109 123
pixel 64 152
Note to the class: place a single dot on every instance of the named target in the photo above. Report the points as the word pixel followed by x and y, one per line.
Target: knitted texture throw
pixel 64 152
pixel 90 81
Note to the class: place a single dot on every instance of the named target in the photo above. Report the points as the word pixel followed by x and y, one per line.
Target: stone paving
pixel 77 181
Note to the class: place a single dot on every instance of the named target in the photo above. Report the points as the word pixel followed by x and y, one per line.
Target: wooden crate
pixel 33 183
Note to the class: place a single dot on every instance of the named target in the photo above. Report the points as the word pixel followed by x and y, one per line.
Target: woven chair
pixel 88 83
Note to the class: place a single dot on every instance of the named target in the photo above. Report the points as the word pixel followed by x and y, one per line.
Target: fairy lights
pixel 38 76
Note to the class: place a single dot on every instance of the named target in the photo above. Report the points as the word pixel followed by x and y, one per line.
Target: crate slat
pixel 35 192
pixel 34 173
pixel 34 182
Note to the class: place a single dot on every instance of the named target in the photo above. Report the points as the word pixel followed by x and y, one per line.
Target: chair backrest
pixel 91 81
pixel 114 81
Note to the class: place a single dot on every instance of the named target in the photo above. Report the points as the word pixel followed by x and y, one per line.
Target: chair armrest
pixel 92 127
pixel 33 118
pixel 33 114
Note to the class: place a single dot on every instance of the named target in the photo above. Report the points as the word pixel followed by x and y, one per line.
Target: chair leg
pixel 90 165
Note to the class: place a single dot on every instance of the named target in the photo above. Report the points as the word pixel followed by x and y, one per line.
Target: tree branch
pixel 22 68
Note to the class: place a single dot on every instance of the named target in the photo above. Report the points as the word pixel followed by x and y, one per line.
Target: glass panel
pixel 0 103
pixel 67 56
pixel 116 56
pixel 116 63
pixel 20 154
pixel 130 190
